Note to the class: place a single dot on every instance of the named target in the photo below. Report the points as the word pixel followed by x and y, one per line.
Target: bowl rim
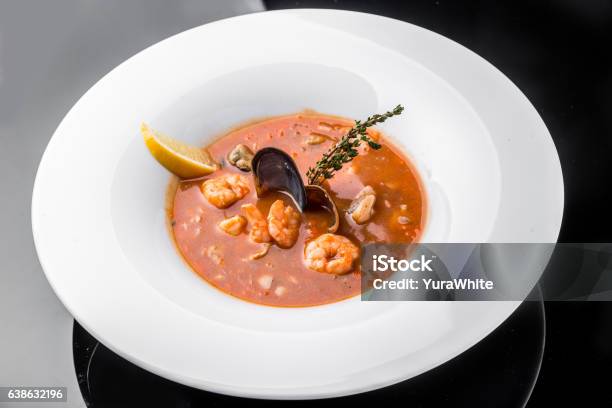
pixel 221 388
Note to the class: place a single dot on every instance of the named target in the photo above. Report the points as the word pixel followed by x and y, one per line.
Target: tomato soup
pixel 272 273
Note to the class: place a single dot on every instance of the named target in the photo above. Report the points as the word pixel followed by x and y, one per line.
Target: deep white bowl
pixel 489 165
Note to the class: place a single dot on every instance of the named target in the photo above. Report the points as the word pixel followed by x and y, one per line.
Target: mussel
pixel 275 170
pixel 241 157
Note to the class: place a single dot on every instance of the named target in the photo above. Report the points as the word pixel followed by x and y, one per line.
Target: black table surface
pixel 559 53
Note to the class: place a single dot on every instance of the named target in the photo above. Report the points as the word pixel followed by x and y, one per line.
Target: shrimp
pixel 233 225
pixel 330 253
pixel 225 190
pixel 259 225
pixel 283 224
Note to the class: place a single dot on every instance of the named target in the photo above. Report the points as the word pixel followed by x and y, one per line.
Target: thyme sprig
pixel 346 149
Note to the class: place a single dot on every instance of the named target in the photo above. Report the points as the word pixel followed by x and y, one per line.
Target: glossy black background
pixel 559 53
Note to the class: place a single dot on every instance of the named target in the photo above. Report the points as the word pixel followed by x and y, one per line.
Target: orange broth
pixel 194 220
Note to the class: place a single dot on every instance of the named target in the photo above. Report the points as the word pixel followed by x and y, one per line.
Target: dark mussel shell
pixel 317 197
pixel 275 170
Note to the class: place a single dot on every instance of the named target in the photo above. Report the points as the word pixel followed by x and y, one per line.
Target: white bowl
pixel 490 169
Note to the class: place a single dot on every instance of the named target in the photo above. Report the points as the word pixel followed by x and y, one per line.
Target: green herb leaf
pixel 345 150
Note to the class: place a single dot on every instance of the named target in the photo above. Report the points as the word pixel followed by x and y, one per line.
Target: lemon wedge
pixel 179 158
